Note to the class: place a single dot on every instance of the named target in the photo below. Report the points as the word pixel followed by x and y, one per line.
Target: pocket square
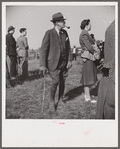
pixel 66 39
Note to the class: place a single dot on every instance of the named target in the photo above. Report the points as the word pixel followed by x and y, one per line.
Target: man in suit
pixel 55 56
pixel 11 51
pixel 106 93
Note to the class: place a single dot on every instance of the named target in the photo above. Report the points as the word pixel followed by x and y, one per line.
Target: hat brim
pixel 57 20
pixel 11 29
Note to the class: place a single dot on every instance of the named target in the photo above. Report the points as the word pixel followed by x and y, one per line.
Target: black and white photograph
pixel 59 74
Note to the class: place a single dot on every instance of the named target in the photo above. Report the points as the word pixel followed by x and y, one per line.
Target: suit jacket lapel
pixel 55 36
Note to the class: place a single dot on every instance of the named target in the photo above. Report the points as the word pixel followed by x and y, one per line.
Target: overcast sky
pixel 37 20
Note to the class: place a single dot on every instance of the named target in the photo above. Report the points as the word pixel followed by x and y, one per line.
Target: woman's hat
pixel 11 28
pixel 57 17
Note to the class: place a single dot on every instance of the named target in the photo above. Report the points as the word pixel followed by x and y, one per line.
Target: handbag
pixel 87 55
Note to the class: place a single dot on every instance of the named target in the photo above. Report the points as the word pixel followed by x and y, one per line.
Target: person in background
pixel 55 56
pixel 100 62
pixel 106 92
pixel 22 50
pixel 8 83
pixel 94 44
pixel 11 52
pixel 74 53
pixel 93 38
pixel 89 76
pixel 100 45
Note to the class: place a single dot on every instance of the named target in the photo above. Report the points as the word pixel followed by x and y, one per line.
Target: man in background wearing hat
pixel 11 51
pixel 55 57
pixel 22 50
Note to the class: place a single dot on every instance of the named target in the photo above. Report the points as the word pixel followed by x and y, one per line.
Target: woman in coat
pixel 89 76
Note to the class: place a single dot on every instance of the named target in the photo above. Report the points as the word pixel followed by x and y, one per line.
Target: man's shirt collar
pixel 58 31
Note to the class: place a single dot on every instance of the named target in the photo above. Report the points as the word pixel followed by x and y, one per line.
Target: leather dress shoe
pixel 64 99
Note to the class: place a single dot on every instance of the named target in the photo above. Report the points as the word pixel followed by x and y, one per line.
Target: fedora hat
pixel 57 17
pixel 11 28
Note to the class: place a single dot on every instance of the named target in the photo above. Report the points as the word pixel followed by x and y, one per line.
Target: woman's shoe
pixel 93 101
pixel 87 98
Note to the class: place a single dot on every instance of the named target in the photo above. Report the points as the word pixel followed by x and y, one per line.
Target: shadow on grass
pixel 94 91
pixel 71 94
pixel 32 75
pixel 12 116
pixel 74 93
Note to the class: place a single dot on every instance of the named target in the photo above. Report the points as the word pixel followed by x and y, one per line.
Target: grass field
pixel 24 101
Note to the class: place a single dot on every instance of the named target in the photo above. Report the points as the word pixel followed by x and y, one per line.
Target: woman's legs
pixel 87 94
pixel 87 91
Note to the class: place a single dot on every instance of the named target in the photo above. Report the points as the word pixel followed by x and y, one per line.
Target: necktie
pixel 62 61
pixel 60 40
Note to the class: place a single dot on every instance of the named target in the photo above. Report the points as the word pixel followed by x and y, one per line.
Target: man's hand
pixel 43 69
pixel 69 65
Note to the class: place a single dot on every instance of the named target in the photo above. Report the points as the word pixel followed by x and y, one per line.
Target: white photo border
pixel 32 133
